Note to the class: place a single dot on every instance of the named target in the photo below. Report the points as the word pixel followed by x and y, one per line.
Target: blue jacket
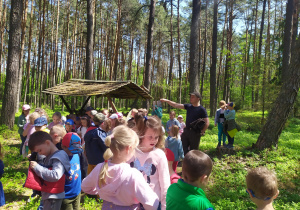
pixel 95 146
pixel 175 146
pixel 229 114
pixel 172 122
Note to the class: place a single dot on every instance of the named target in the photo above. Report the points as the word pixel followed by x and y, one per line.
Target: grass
pixel 226 188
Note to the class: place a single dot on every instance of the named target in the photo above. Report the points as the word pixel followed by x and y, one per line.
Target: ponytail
pixel 107 155
pixel 121 137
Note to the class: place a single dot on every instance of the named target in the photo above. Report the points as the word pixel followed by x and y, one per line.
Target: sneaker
pixel 224 144
pixel 219 144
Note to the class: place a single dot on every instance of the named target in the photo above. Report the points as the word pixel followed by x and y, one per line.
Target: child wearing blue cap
pixel 69 126
pixel 71 144
pixel 41 123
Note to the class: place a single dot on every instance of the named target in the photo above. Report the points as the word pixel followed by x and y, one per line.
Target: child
pixel 188 192
pixel 55 164
pixel 22 120
pixel 56 117
pixel 40 124
pixel 172 121
pixel 29 129
pixel 149 158
pixel 182 124
pixel 175 145
pixel 69 125
pixel 114 180
pixel 262 187
pixel 2 198
pixel 231 128
pixel 77 123
pixel 85 124
pixel 71 144
pixel 170 157
pixel 57 132
pixel 94 143
pixel 106 125
pixel 219 120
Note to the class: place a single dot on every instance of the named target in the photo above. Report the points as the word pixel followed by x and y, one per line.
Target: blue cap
pixel 69 122
pixel 89 108
pixel 41 121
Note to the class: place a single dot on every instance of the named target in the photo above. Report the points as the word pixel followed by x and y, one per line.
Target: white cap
pixel 113 116
pixel 180 116
pixel 93 112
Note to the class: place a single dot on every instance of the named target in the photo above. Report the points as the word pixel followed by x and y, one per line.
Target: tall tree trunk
pixel 29 55
pixel 283 104
pixel 13 62
pixel 228 55
pixel 117 41
pixel 213 95
pixel 287 40
pixel 20 76
pixel 149 49
pixel 90 40
pixel 178 44
pixel 171 54
pixel 194 50
pixel 204 48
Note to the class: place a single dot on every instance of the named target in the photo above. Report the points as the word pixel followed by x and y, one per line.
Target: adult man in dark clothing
pixel 191 138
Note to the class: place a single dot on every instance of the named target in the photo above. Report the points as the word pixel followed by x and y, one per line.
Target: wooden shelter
pixel 88 88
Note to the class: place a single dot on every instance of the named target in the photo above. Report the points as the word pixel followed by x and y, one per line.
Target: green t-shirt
pixel 182 195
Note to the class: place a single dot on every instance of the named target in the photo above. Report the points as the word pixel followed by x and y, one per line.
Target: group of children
pixel 124 161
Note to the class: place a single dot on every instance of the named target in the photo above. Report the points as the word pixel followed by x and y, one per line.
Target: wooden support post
pixel 66 104
pixel 86 101
pixel 112 104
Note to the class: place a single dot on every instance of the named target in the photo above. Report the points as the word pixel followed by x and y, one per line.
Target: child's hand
pixel 32 164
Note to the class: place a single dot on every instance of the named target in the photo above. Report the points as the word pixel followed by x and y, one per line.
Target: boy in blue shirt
pixel 172 121
pixel 71 144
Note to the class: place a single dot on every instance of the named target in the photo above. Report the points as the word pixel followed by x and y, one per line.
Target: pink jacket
pixel 125 186
pixel 154 167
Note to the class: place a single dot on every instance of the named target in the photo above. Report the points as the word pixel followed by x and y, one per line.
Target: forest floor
pixel 226 188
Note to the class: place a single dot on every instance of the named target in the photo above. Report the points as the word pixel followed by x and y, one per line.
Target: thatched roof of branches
pixel 114 89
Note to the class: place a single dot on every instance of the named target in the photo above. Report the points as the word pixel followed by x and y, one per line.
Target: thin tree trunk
pixel 179 60
pixel 213 95
pixel 149 49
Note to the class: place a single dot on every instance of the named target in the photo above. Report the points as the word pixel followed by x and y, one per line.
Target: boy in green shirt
pixel 188 192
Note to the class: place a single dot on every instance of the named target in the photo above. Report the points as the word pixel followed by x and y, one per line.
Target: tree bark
pixel 283 104
pixel 13 62
pixel 287 40
pixel 194 49
pixel 90 40
pixel 213 95
pixel 149 49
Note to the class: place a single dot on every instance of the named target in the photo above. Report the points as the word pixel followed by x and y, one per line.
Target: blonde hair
pixel 121 137
pixel 59 130
pixel 222 103
pixel 262 182
pixel 175 130
pixel 33 116
pixel 42 112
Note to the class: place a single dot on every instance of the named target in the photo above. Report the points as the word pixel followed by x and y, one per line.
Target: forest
pixel 241 51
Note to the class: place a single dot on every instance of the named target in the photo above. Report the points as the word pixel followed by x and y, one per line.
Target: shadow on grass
pixel 14 196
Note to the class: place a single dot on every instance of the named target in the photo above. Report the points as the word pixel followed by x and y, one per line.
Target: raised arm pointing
pixel 172 103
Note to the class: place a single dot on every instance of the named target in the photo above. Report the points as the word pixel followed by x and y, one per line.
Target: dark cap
pixel 89 108
pixel 196 94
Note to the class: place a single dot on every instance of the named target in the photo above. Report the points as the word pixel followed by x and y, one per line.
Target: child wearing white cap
pixel 182 124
